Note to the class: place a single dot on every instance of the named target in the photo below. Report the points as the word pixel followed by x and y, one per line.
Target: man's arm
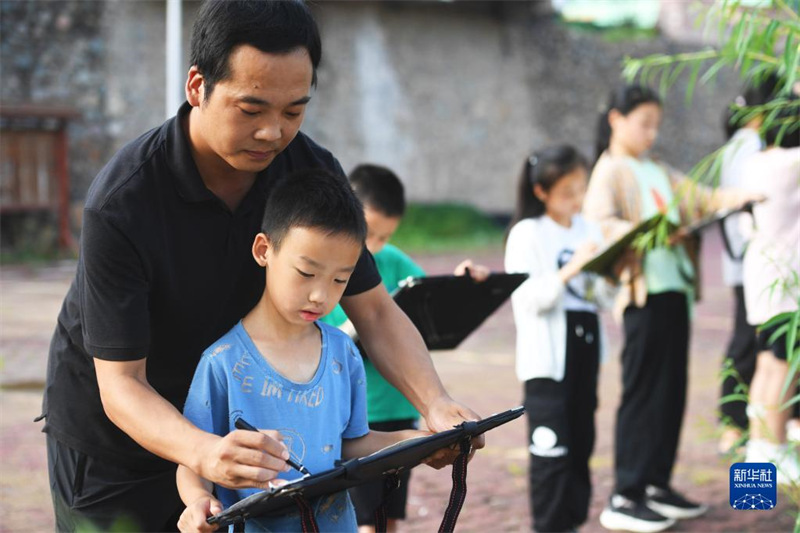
pixel 397 350
pixel 240 459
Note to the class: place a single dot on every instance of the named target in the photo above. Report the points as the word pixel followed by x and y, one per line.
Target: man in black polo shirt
pixel 165 269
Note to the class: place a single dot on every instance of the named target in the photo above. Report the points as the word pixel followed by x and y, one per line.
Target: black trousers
pixel 561 428
pixel 654 382
pixel 742 355
pixel 367 498
pixel 90 494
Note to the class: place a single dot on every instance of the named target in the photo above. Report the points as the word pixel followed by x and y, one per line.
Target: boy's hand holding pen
pixel 241 423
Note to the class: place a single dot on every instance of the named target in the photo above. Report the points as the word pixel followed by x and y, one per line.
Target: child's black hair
pixel 624 99
pixel 543 168
pixel 756 93
pixel 380 189
pixel 791 134
pixel 314 199
pixel 275 27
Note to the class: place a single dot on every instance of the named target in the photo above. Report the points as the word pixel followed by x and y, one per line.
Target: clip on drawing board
pixel 387 463
pixel 446 309
pixel 719 217
pixel 603 262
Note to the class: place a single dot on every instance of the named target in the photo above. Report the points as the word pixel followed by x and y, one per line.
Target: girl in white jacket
pixel 559 340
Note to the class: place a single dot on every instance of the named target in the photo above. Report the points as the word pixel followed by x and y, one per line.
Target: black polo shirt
pixel 165 269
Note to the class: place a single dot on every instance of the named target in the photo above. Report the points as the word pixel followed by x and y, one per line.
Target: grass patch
pixel 622 33
pixel 34 256
pixel 445 228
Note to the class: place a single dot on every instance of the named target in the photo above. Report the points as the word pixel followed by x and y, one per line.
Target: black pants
pixel 368 497
pixel 742 355
pixel 654 382
pixel 90 494
pixel 561 426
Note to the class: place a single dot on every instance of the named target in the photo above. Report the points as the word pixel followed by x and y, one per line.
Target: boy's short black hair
pixel 379 188
pixel 314 199
pixel 272 26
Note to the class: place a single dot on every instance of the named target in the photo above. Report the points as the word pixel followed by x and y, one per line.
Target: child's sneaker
pixel 624 514
pixel 671 504
pixel 793 430
pixel 783 456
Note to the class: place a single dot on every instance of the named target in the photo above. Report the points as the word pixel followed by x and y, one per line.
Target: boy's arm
pixel 236 460
pixel 377 440
pixel 196 493
pixel 397 350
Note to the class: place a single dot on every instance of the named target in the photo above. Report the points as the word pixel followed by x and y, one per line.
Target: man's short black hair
pixel 272 26
pixel 380 189
pixel 314 199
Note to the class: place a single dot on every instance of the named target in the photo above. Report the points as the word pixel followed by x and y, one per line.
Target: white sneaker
pixel 783 456
pixel 624 514
pixel 672 504
pixel 793 430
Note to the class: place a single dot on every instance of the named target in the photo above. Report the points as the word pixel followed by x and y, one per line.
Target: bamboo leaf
pixel 777 319
pixel 712 71
pixel 692 82
pixel 730 398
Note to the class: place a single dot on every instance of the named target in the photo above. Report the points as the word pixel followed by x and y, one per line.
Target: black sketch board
pixel 391 460
pixel 718 217
pixel 446 309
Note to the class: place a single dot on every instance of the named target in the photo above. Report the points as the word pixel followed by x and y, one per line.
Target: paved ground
pixel 480 373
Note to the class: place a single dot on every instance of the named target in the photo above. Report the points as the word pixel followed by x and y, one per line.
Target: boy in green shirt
pixel 383 196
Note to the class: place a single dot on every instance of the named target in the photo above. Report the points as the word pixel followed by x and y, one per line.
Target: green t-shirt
pixel 384 402
pixel 667 268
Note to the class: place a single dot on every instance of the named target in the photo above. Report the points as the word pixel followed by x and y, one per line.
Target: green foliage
pixel 756 42
pixel 615 34
pixel 446 227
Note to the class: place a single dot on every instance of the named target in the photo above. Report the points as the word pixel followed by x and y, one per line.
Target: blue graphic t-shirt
pixel 233 379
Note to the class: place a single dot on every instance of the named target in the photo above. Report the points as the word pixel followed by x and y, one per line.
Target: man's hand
pixel 193 518
pixel 243 459
pixel 444 414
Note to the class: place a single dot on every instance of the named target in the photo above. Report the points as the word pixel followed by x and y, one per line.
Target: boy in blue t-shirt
pixel 279 367
pixel 383 196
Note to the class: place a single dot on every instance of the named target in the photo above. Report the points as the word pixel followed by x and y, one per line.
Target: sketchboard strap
pixel 307 520
pixel 459 491
pixel 390 483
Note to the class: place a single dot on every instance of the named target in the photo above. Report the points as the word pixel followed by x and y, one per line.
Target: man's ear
pixel 195 87
pixel 261 246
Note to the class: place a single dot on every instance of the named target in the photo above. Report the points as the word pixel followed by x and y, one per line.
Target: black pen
pixel 241 423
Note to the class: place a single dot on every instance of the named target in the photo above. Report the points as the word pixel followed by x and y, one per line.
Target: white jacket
pixel 538 304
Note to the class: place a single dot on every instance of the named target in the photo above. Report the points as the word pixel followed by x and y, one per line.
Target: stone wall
pixel 54 53
pixel 452 95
